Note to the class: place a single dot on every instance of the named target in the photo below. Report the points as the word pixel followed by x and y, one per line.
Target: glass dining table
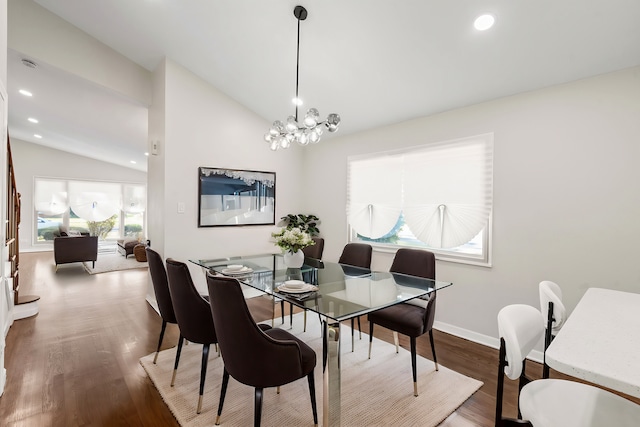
pixel 340 292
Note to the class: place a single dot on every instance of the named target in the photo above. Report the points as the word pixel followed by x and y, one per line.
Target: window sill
pixel 446 257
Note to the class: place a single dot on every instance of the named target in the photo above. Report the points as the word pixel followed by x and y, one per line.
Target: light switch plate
pixel 181 207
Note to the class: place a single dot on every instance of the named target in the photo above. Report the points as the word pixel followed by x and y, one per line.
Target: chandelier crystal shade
pixel 310 129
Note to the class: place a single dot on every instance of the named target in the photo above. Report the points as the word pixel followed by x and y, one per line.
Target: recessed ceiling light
pixel 32 120
pixel 25 92
pixel 146 154
pixel 37 136
pixel 133 161
pixel 484 22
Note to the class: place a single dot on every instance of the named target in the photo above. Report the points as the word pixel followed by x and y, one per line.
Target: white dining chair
pixel 554 315
pixel 551 402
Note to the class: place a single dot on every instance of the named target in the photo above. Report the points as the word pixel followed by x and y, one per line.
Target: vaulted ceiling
pixel 374 62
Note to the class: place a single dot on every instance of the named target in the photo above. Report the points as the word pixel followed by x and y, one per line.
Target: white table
pixel 600 342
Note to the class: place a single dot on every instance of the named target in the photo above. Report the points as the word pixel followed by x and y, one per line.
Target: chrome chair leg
pixel 414 369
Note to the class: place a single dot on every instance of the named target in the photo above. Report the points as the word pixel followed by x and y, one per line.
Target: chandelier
pixel 281 135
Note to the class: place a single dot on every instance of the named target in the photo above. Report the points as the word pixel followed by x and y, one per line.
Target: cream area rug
pixel 113 262
pixel 375 392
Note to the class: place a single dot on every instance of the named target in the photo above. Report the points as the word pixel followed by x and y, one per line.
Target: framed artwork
pixel 228 197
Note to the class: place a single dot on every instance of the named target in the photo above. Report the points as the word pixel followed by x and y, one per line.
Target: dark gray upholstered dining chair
pixel 283 357
pixel 314 251
pixel 161 289
pixel 412 318
pixel 357 255
pixel 193 314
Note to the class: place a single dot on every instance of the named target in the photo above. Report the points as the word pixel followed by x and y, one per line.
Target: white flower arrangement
pixel 292 240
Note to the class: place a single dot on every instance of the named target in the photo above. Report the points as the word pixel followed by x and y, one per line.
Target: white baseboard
pixel 7 316
pixel 35 249
pixel 8 323
pixel 3 379
pixel 22 311
pixel 486 340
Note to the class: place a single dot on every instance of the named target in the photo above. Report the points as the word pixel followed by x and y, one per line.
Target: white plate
pixel 234 267
pixel 294 284
pixel 241 272
pixel 306 288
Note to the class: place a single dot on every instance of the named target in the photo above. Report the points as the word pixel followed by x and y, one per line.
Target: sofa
pixel 67 249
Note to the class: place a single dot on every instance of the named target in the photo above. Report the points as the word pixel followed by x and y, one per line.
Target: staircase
pixel 24 305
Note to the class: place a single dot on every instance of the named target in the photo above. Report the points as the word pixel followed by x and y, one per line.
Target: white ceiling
pixel 374 62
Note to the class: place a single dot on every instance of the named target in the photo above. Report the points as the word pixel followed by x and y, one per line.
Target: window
pixel 110 210
pixel 437 196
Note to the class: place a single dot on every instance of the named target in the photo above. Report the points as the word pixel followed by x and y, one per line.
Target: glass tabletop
pixel 339 291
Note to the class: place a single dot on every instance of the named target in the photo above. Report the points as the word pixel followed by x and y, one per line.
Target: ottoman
pixel 125 247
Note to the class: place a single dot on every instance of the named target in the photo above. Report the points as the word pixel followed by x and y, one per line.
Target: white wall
pixel 156 162
pixel 204 127
pixel 566 194
pixel 42 35
pixel 31 160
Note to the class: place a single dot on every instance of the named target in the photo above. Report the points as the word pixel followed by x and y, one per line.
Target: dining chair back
pixel 554 314
pixel 193 314
pixel 550 402
pixel 356 254
pixel 161 290
pixel 414 317
pixel 414 262
pixel 241 340
pixel 314 251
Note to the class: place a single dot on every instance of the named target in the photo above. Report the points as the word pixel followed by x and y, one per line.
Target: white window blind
pixel 135 198
pixel 90 200
pixel 375 195
pixel 95 201
pixel 444 191
pixel 50 197
pixel 78 205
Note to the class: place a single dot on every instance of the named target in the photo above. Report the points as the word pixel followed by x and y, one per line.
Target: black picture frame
pixel 235 197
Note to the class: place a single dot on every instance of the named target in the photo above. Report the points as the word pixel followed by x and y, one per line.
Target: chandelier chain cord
pixel 297 69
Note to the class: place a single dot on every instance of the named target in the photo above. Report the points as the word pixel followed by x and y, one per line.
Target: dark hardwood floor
pixel 76 362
